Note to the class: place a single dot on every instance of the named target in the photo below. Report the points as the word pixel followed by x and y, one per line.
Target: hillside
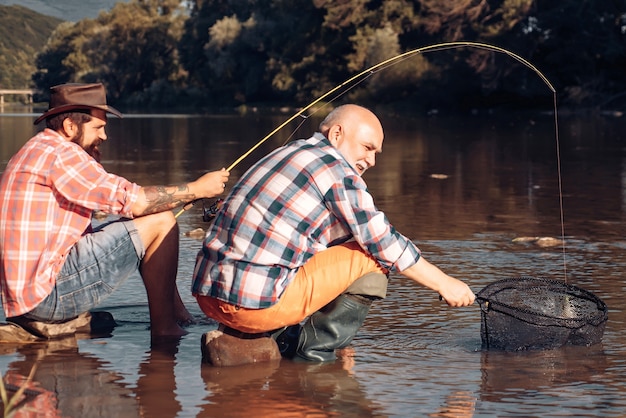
pixel 70 10
pixel 23 33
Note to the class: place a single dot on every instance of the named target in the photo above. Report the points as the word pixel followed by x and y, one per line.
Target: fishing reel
pixel 208 214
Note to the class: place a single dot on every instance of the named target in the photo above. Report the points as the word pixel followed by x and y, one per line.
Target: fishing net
pixel 532 313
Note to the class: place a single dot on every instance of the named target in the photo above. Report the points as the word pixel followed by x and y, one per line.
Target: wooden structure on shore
pixel 27 92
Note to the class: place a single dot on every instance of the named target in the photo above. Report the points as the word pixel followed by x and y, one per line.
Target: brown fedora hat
pixel 72 96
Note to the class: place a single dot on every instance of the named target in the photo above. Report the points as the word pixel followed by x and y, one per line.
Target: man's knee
pixel 373 285
pixel 165 219
pixel 157 223
pixel 157 228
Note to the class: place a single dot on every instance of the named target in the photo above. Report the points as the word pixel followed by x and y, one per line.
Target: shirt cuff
pixel 409 257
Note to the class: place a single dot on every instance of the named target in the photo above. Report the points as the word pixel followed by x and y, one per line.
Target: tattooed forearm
pixel 161 198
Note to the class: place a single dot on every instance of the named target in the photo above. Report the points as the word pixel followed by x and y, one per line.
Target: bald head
pixel 350 113
pixel 357 134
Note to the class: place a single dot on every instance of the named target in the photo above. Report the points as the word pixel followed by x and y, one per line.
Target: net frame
pixel 552 314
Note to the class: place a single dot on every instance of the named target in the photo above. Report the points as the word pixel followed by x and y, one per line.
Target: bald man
pixel 300 239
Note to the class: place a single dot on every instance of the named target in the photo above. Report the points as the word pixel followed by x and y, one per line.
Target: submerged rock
pixel 20 329
pixel 439 176
pixel 195 233
pixel 540 241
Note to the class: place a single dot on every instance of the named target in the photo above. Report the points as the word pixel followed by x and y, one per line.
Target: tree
pixel 146 36
pixel 22 34
pixel 62 59
pixel 582 45
pixel 240 51
pixel 131 49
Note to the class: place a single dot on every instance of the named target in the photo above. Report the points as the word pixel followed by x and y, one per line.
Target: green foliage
pixel 389 84
pixel 128 49
pixel 62 58
pixel 586 52
pixel 22 34
pixel 252 51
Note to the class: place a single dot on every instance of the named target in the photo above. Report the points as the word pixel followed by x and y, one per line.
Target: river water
pixel 463 188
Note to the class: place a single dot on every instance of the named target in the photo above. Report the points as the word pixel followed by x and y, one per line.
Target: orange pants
pixel 320 280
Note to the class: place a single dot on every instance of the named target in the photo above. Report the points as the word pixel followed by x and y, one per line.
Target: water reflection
pixel 460 404
pixel 286 389
pixel 156 386
pixel 505 372
pixel 577 378
pixel 67 382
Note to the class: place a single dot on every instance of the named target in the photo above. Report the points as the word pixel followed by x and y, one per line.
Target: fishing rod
pixel 363 75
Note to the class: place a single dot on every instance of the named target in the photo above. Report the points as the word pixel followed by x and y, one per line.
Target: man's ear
pixel 69 128
pixel 335 133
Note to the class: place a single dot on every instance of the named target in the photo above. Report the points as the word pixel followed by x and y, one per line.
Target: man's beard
pixel 92 149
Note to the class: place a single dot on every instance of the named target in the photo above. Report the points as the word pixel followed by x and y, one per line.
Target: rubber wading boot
pixel 335 325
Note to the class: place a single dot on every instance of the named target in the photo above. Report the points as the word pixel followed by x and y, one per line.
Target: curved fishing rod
pixel 360 77
pixel 387 63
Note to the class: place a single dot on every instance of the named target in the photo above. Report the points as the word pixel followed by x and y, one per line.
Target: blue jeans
pixel 96 265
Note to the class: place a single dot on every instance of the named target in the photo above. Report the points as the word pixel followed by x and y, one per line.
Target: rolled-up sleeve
pixel 84 182
pixel 370 227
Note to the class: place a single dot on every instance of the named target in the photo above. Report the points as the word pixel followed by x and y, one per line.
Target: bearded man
pixel 54 266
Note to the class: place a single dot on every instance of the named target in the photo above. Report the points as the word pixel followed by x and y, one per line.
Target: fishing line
pixel 305 117
pixel 357 79
pixel 558 169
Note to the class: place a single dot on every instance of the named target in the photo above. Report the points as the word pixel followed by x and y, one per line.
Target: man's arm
pixel 161 198
pixel 154 199
pixel 453 291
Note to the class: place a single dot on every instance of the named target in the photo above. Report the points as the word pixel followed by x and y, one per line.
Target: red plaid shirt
pixel 48 193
